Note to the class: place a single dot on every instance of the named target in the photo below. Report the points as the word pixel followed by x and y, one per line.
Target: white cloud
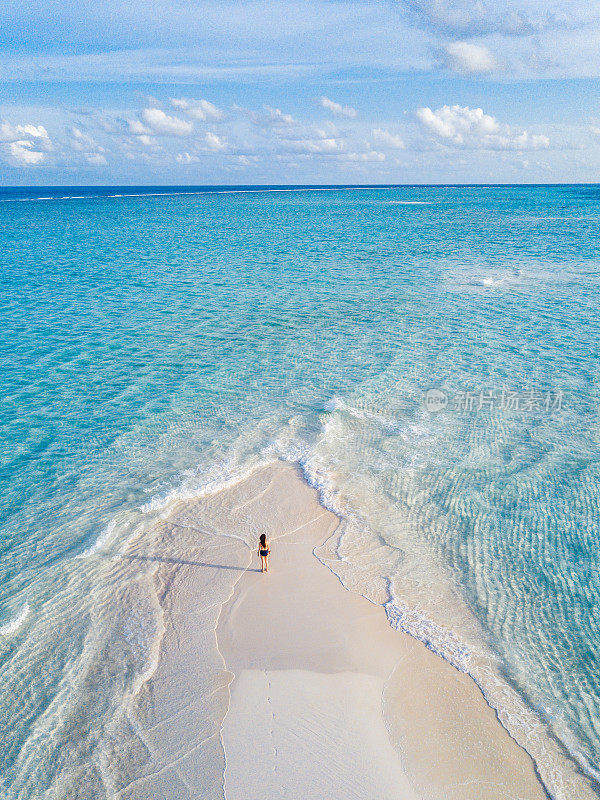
pixel 163 124
pixel 337 108
pixel 317 145
pixel 136 128
pixel 26 144
pixel 390 139
pixel 97 160
pixel 270 118
pixel 214 142
pixel 369 155
pixel 327 129
pixel 147 141
pixel 457 122
pixel 81 141
pixel 476 18
pixel 467 58
pixel 247 161
pixel 277 117
pixel 23 153
pixel 201 110
pixel 10 133
pixel 472 128
pixel 185 158
pixel 85 144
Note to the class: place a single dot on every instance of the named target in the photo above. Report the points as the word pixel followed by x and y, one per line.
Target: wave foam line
pixel 13 625
pixel 256 190
pixel 440 641
pixel 214 481
pixel 100 541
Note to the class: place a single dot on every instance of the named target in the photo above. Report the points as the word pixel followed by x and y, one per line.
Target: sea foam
pixel 13 625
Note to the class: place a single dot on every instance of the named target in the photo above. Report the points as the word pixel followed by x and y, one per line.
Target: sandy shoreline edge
pixel 289 685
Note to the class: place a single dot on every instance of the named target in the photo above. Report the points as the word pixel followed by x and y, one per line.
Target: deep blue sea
pixel 430 356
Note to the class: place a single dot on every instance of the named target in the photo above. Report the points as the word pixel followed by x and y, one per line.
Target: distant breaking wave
pixel 207 191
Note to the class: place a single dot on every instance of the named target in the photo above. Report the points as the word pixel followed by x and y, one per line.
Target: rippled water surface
pixel 156 342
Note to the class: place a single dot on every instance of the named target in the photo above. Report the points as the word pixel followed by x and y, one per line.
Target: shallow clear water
pixel 155 342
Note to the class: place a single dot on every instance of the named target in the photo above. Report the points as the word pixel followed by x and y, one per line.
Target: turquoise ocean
pixel 429 356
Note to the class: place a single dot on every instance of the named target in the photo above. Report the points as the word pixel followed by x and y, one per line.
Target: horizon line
pixel 259 186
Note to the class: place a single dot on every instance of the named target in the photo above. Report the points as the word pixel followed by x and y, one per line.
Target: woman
pixel 263 552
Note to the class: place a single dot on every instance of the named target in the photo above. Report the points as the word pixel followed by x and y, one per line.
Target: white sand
pixel 302 734
pixel 311 694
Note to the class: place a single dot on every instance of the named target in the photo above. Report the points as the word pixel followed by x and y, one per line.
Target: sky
pixel 102 92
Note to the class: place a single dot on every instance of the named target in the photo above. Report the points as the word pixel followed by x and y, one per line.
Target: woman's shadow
pixel 166 560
